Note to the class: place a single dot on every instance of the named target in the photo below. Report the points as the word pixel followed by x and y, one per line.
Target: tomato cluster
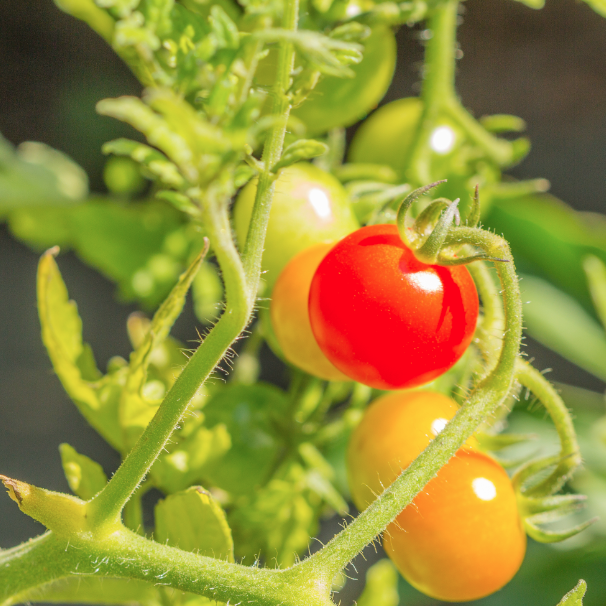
pixel 462 537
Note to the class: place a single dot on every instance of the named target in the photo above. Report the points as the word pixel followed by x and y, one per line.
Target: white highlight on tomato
pixel 320 202
pixel 442 139
pixel 484 489
pixel 426 281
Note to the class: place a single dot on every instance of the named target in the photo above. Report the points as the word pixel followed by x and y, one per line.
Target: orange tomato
pixel 290 318
pixel 395 429
pixel 462 537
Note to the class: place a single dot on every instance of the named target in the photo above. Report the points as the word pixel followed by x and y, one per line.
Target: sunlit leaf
pixel 85 477
pixel 575 596
pixel 192 520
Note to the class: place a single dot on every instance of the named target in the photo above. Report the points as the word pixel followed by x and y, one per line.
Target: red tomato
pixel 384 318
pixel 290 319
pixel 462 537
pixel 395 429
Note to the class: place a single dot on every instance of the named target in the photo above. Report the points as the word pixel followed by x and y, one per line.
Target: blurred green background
pixel 549 67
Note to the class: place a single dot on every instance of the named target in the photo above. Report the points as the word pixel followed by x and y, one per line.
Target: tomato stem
pixel 255 239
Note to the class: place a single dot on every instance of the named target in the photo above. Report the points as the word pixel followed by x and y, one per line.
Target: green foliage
pixel 381 585
pixel 193 521
pixel 575 596
pixel 272 459
pixel 85 477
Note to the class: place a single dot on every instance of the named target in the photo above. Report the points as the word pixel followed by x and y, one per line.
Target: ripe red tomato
pixel 384 318
pixel 290 318
pixel 394 430
pixel 462 537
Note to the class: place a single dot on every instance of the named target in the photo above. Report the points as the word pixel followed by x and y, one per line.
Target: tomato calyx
pixel 429 236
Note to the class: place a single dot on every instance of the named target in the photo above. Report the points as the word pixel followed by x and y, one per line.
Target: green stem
pixel 107 506
pixel 438 85
pixel 482 402
pixel 255 239
pixel 570 454
pixel 124 554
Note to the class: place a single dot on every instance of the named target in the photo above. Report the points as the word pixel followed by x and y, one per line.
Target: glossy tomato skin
pixel 393 432
pixel 290 318
pixel 462 537
pixel 310 206
pixel 339 102
pixel 384 318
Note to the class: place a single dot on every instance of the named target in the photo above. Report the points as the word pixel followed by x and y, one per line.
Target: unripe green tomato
pixel 386 138
pixel 339 102
pixel 309 206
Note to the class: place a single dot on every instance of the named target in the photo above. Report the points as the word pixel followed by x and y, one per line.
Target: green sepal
pixel 72 359
pixel 575 596
pixel 224 29
pixel 85 477
pixel 499 441
pixel 552 536
pixel 299 151
pixel 179 201
pixel 86 10
pixel 381 587
pixel 192 520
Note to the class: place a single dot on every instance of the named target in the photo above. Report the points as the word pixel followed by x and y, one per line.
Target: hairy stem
pixel 482 402
pixel 255 239
pixel 107 506
pixel 438 85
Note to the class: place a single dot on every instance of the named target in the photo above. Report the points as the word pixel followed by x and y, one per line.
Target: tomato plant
pixel 462 537
pixel 310 206
pixel 290 318
pixel 384 318
pixel 246 470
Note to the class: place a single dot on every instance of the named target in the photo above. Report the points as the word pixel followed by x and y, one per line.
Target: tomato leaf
pixel 192 520
pixel 62 336
pixel 85 477
pixel 381 587
pixel 599 6
pixel 575 596
pixel 559 322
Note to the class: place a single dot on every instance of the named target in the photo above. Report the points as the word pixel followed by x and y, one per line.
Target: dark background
pixel 549 67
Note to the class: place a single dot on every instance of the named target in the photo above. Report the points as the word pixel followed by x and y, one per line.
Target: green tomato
pixel 249 413
pixel 338 102
pixel 386 138
pixel 309 206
